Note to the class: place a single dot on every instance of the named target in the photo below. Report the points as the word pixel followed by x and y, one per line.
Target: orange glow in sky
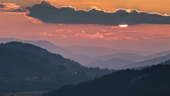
pixel 160 6
pixel 137 37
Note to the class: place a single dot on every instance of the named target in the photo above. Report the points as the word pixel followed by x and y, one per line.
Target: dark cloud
pixel 66 15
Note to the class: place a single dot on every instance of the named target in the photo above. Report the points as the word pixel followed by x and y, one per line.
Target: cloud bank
pixel 66 15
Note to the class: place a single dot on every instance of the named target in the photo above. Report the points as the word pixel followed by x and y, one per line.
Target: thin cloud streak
pixel 10 7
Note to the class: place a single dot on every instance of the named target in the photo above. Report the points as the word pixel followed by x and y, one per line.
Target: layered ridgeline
pixel 151 81
pixel 25 67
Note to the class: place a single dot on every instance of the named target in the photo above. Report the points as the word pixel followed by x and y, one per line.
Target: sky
pixel 161 6
pixel 140 37
pixel 111 5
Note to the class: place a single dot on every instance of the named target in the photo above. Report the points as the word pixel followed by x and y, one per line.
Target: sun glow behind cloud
pixel 123 25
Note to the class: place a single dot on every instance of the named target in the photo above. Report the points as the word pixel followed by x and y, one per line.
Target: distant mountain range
pixel 151 81
pixel 26 67
pixel 119 61
pixel 105 57
pixel 82 54
pixel 156 59
pixel 66 15
pixel 114 63
pixel 116 60
pixel 85 55
pixel 100 57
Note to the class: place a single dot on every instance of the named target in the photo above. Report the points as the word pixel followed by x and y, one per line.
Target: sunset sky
pixel 161 6
pixel 141 37
pixel 111 5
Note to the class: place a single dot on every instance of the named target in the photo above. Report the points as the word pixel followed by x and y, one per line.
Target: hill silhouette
pixel 66 15
pixel 25 67
pixel 151 81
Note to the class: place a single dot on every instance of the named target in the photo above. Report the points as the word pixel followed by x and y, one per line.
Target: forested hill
pixel 151 81
pixel 25 67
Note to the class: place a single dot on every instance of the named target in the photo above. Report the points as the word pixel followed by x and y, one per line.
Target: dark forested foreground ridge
pixel 25 67
pixel 151 81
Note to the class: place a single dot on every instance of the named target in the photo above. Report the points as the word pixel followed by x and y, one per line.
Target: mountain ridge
pixel 26 67
pixel 149 81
